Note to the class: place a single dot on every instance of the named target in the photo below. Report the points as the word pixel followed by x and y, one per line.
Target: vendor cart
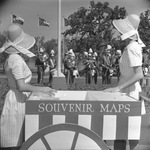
pixel 80 120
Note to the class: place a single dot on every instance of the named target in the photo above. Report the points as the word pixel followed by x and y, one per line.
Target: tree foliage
pixel 51 44
pixel 92 27
pixel 144 27
pixel 2 41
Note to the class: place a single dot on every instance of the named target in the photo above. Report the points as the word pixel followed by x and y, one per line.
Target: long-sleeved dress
pixel 13 113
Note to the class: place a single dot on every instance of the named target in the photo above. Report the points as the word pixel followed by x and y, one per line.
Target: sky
pixel 48 10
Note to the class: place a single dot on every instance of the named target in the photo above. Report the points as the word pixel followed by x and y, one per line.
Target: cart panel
pixel 110 119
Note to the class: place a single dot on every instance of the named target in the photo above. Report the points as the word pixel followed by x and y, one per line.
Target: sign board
pixel 110 116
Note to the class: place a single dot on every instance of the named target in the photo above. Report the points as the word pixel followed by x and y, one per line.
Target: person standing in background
pixel 118 56
pixel 106 66
pixel 40 68
pixel 70 66
pixel 95 76
pixel 52 66
pixel 89 69
pixel 145 65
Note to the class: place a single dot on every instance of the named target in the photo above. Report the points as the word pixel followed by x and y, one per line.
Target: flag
pixel 17 19
pixel 43 22
pixel 66 22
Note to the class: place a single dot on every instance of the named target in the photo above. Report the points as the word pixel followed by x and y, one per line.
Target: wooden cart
pixel 77 120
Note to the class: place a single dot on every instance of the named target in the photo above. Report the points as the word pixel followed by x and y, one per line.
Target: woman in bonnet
pixel 19 76
pixel 130 65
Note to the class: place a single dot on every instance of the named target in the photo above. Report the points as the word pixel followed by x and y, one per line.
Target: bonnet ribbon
pixel 131 33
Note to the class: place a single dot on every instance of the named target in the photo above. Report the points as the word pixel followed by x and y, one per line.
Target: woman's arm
pixel 24 87
pixel 138 74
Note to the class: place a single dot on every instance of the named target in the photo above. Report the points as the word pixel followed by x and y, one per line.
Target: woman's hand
pixel 114 89
pixel 24 87
pixel 48 91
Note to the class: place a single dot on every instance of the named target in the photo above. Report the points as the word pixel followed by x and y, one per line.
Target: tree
pixel 51 44
pixel 144 27
pixel 92 27
pixel 2 41
pixel 39 42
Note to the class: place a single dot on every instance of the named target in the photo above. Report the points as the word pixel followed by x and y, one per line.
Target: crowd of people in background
pixel 89 65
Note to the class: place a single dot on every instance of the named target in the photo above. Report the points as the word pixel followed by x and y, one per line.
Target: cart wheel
pixel 64 137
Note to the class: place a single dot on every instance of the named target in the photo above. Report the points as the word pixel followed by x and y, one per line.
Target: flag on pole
pixel 17 19
pixel 43 22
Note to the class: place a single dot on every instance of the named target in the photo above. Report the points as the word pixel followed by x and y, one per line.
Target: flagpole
pixel 38 35
pixel 59 81
pixel 59 38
